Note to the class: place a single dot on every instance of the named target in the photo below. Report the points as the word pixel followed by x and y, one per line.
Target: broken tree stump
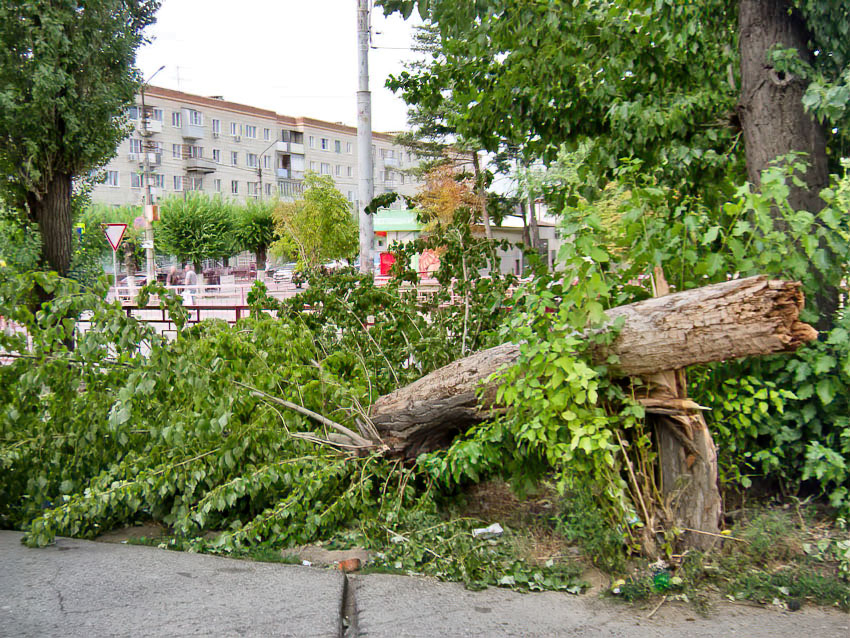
pixel 729 320
pixel 687 456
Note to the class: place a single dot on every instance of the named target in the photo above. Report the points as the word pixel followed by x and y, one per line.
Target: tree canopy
pixel 319 227
pixel 195 228
pixel 254 228
pixel 66 72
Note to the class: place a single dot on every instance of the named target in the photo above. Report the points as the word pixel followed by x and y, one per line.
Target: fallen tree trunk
pixel 739 318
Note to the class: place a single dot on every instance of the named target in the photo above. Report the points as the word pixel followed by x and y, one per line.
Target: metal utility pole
pixel 364 139
pixel 147 147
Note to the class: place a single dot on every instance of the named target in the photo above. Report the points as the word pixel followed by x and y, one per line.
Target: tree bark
pixel 687 456
pixel 745 317
pixel 772 116
pixel 52 212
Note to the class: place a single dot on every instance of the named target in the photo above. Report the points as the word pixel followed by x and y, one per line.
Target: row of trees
pixel 198 227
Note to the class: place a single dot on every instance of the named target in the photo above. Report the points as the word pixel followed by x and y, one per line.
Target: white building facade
pixel 206 144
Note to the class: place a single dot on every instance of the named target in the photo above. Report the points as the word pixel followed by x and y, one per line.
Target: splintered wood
pixel 739 318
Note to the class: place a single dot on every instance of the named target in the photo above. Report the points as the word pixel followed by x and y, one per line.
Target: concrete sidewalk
pixel 81 588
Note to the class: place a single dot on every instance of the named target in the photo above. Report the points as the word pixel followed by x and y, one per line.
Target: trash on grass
pixel 493 531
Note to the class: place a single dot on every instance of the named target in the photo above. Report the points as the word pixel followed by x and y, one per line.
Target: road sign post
pixel 114 234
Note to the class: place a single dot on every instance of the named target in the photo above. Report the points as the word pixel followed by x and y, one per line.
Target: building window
pixel 195 183
pixel 156 114
pixel 296 137
pixel 158 180
pixel 177 151
pixel 251 131
pixel 267 134
pixel 234 158
pixel 217 156
pixel 193 151
pixel 313 166
pixel 268 190
pixel 325 142
pixel 338 170
pixel 234 187
pixel 111 178
pixel 401 178
pixel 337 146
pixel 348 148
pixel 325 169
pixel 252 189
pixel 351 196
pixel 267 161
pixel 177 119
pixel 178 182
pixel 216 127
pixel 196 118
pixel 217 185
pixel 135 146
pixel 135 180
pixel 133 112
pixel 312 141
pixel 251 159
pixel 234 129
pixel 350 171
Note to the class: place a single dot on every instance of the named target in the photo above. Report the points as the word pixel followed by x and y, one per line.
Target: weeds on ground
pixel 772 557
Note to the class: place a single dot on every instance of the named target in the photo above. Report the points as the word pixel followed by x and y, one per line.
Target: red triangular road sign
pixel 114 234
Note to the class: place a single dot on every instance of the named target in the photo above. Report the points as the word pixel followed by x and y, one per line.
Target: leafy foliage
pixel 254 228
pixel 319 227
pixel 195 228
pixel 66 72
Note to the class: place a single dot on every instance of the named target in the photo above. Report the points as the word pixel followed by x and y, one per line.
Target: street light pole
pixel 260 167
pixel 150 262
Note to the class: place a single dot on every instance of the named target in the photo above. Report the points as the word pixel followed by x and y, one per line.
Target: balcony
pixel 296 149
pixel 297 174
pixel 192 131
pixel 282 173
pixel 155 159
pixel 199 165
pixel 153 126
pixel 290 189
pixel 391 161
pixel 282 147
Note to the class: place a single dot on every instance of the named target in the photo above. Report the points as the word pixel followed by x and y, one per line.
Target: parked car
pixel 284 273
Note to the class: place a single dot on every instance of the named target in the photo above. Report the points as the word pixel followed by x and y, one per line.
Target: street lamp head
pixel 153 75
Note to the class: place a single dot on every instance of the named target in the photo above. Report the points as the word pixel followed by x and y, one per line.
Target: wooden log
pixel 739 318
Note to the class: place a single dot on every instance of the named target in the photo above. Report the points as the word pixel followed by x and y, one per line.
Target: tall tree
pixel 66 72
pixel 675 85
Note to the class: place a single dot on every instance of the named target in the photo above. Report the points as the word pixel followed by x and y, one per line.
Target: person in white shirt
pixel 190 281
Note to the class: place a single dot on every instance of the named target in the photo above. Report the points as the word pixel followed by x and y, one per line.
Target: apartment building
pixel 207 144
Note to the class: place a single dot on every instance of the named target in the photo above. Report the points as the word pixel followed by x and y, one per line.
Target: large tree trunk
pixel 53 214
pixel 745 317
pixel 773 119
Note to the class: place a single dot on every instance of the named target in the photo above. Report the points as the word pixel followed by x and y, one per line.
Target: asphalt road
pixel 82 588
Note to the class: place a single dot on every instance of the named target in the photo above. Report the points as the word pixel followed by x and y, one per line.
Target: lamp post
pixel 260 168
pixel 150 263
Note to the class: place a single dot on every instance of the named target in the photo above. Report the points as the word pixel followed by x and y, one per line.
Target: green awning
pixel 391 220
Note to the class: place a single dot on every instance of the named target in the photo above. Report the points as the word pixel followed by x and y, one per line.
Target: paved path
pixel 81 588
